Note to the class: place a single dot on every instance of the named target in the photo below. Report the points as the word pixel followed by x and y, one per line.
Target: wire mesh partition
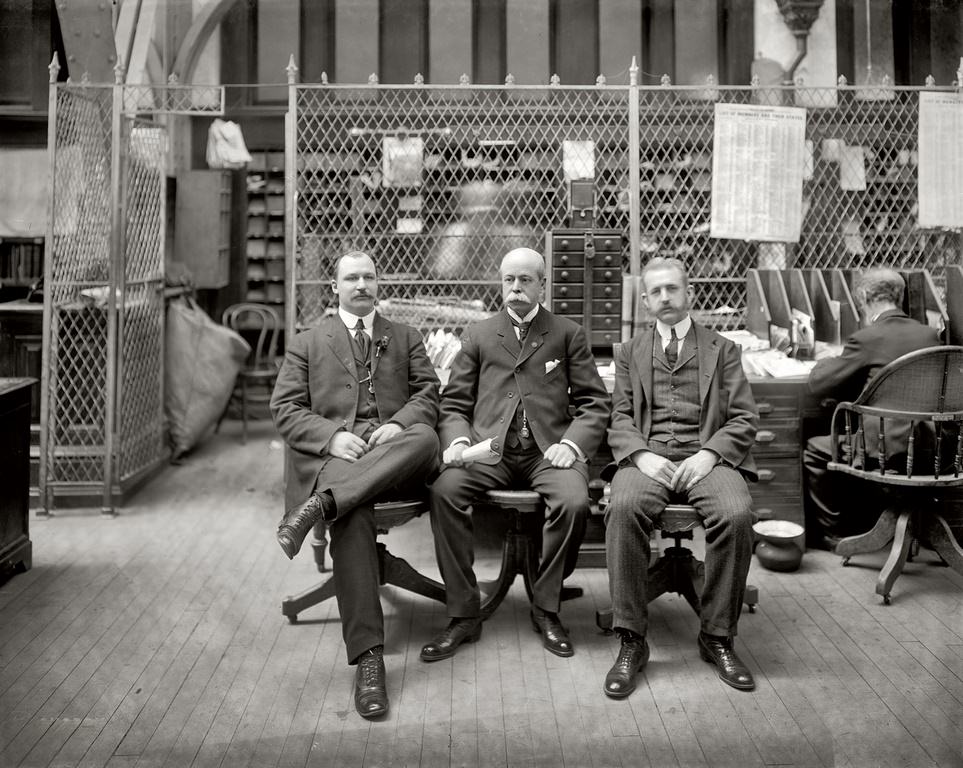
pixel 437 183
pixel 102 402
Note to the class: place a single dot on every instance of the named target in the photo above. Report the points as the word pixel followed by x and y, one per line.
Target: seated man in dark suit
pixel 831 512
pixel 683 421
pixel 514 380
pixel 356 401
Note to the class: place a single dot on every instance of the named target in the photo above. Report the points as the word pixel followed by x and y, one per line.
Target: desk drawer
pixel 777 435
pixel 774 402
pixel 605 338
pixel 599 322
pixel 779 489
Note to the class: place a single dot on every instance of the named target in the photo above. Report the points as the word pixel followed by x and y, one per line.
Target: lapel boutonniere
pixel 380 346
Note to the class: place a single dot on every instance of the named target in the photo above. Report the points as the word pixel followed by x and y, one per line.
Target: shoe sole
pixel 564 654
pixel 472 637
pixel 708 658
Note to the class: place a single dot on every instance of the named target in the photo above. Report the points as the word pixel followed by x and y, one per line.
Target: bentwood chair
pixel 919 398
pixel 255 382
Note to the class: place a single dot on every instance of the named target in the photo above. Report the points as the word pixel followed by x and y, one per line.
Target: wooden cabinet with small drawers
pixel 778 495
pixel 584 282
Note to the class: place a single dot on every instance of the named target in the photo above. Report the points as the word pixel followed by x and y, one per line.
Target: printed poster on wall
pixel 758 161
pixel 941 159
pixel 402 160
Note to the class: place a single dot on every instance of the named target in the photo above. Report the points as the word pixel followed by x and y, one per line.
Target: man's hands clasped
pixel 350 447
pixel 680 477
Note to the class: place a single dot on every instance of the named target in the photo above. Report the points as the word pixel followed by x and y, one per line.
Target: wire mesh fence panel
pixel 437 183
pixel 89 366
pixel 141 422
pixel 78 261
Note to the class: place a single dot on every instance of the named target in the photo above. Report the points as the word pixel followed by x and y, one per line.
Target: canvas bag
pixel 202 360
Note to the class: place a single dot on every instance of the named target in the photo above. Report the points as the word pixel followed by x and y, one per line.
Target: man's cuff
pixel 578 451
pixel 459 441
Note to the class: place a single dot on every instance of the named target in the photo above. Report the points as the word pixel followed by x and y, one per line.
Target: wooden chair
pixel 255 382
pixel 921 391
pixel 393 570
pixel 678 569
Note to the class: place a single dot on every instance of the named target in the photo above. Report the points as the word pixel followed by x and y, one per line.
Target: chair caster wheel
pixel 293 619
pixel 886 600
pixel 845 561
pixel 752 608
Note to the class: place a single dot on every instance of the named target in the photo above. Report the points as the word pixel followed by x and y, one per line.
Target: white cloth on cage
pixel 225 145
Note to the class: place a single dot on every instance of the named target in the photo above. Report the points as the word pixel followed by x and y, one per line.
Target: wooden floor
pixel 156 639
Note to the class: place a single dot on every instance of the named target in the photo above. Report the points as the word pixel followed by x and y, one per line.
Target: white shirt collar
pixel 528 318
pixel 351 321
pixel 681 329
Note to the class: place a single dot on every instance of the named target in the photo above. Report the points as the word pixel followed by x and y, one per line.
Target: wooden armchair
pixel 911 417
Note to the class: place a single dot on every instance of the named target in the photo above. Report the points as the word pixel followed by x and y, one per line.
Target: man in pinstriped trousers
pixel 683 420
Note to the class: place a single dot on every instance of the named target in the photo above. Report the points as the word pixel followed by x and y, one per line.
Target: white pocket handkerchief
pixel 551 365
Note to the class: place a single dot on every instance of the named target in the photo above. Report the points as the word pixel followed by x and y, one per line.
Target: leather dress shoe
pixel 370 692
pixel 554 636
pixel 718 651
pixel 458 631
pixel 633 655
pixel 299 521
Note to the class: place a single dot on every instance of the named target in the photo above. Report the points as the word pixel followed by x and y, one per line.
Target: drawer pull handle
pixel 766 475
pixel 608 306
pixel 563 290
pixel 765 436
pixel 608 259
pixel 564 275
pixel 564 243
pixel 608 291
pixel 764 407
pixel 564 259
pixel 608 274
pixel 563 306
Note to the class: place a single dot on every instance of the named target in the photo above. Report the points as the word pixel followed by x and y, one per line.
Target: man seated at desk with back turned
pixel 356 401
pixel 839 506
pixel 514 380
pixel 683 421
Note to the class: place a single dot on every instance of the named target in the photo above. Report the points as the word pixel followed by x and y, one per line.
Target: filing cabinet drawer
pixel 577 259
pixel 577 291
pixel 605 338
pixel 575 242
pixel 599 322
pixel 576 275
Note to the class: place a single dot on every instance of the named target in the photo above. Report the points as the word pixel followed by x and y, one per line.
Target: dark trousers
pixel 565 492
pixel 394 470
pixel 725 506
pixel 837 505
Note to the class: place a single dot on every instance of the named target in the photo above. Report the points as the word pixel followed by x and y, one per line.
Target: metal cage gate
pixel 102 407
pixel 438 182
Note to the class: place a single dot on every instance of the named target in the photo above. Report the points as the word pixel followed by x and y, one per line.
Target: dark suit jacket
pixel 864 353
pixel 316 393
pixel 553 371
pixel 728 419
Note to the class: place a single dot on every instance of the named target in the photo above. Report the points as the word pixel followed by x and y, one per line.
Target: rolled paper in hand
pixel 481 453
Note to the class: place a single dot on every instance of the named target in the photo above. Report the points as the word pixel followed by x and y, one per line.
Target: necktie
pixel 362 340
pixel 522 328
pixel 672 349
